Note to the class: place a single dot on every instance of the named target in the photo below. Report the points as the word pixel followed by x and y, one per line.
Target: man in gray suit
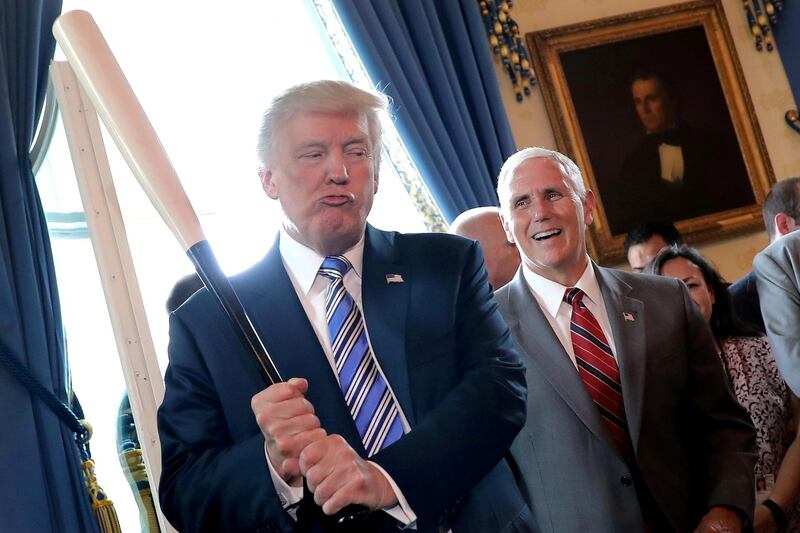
pixel 781 211
pixel 631 425
pixel 777 270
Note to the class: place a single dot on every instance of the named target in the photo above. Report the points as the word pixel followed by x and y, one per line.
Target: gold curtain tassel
pixel 103 507
pixel 136 474
pixel 503 33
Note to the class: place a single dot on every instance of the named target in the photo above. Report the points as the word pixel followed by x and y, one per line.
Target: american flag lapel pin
pixel 628 317
pixel 394 278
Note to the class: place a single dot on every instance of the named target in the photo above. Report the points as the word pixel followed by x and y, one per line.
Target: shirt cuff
pixel 287 494
pixel 402 511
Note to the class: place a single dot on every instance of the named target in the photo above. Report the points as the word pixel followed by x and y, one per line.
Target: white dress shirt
pixel 671 159
pixel 550 297
pixel 302 264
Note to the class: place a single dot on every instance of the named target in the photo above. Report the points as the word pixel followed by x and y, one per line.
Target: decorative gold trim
pixel 792 119
pixel 760 19
pixel 547 47
pixel 503 32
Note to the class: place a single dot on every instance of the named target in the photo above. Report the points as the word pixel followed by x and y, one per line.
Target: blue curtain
pixel 41 486
pixel 433 59
pixel 788 40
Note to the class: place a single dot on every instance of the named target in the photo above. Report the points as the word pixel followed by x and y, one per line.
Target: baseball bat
pixel 119 109
pixel 103 80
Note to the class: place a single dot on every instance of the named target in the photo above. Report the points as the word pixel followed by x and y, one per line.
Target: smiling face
pixel 324 179
pixel 702 294
pixel 547 220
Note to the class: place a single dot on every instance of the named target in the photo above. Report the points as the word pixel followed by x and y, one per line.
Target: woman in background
pixel 758 385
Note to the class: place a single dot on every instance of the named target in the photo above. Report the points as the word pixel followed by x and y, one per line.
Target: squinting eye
pixel 360 154
pixel 312 155
pixel 554 195
pixel 521 203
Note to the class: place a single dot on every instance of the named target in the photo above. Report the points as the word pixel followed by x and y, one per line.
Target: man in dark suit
pixel 781 211
pixel 631 424
pixel 404 387
pixel 675 172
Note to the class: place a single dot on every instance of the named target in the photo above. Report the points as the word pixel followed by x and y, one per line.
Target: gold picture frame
pixel 586 72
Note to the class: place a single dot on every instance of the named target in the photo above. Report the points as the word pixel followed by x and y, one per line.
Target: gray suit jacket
pixel 777 270
pixel 693 442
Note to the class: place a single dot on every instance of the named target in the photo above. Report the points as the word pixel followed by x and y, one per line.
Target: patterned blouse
pixel 762 391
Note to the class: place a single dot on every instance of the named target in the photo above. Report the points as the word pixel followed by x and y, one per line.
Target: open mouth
pixel 544 235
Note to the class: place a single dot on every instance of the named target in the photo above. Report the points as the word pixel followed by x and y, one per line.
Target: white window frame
pixel 117 274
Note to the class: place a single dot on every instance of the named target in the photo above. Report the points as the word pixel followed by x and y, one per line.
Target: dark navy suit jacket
pixel 443 347
pixel 746 305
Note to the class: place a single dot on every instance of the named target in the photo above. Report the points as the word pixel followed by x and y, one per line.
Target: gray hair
pixel 568 168
pixel 322 96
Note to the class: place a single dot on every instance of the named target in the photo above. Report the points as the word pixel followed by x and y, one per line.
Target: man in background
pixel 404 388
pixel 781 212
pixel 644 241
pixel 777 270
pixel 631 425
pixel 483 224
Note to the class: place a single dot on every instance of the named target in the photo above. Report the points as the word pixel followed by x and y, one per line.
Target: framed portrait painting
pixel 653 107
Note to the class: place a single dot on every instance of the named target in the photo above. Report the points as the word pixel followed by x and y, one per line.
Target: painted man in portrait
pixel 679 170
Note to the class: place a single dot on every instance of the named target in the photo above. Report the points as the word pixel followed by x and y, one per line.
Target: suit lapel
pixel 537 339
pixel 385 301
pixel 627 319
pixel 271 302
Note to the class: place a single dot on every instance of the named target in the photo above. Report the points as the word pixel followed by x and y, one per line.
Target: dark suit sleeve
pixel 744 299
pixel 209 482
pixel 468 432
pixel 780 306
pixel 724 434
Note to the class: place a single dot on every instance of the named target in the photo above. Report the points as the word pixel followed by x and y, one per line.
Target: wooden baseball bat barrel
pixel 119 109
pixel 105 84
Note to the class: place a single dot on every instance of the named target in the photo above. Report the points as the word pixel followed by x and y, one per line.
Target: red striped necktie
pixel 598 369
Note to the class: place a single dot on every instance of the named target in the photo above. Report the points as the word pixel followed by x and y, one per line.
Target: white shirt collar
pixel 304 262
pixel 550 294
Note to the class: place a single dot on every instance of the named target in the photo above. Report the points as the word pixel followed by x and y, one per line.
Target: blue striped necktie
pixel 370 402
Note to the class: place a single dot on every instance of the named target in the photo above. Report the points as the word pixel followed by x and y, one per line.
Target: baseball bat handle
pixel 351 519
pixel 217 283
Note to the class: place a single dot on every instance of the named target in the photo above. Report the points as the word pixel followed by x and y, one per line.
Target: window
pixel 203 73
